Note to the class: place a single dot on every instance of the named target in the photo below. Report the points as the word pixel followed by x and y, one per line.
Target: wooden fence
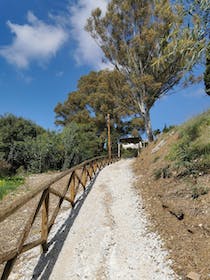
pixel 78 177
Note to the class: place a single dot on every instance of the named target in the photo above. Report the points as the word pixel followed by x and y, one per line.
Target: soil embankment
pixel 178 207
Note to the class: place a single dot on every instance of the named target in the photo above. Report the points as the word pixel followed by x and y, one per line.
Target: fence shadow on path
pixel 47 260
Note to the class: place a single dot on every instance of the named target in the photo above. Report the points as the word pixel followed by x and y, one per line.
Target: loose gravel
pixel 110 238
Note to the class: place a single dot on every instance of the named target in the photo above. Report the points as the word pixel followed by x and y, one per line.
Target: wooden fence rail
pixel 79 176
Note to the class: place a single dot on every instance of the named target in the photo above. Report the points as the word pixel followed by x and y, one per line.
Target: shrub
pixel 192 151
pixel 129 153
pixel 9 184
pixel 156 132
pixel 167 129
pixel 163 172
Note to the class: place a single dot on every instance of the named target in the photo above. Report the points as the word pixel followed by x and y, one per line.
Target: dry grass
pixel 179 206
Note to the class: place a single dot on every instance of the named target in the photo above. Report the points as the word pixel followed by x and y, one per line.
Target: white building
pixel 130 143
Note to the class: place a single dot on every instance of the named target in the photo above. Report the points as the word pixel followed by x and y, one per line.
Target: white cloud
pixel 34 41
pixel 87 51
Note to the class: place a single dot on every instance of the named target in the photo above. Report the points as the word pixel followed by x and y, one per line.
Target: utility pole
pixel 109 137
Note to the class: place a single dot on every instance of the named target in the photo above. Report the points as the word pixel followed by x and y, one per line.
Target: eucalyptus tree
pixel 200 10
pixel 150 43
pixel 207 71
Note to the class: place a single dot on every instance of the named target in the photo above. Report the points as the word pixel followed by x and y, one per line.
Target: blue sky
pixel 44 50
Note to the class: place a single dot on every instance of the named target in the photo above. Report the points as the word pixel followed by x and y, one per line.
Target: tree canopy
pixel 98 94
pixel 150 43
pixel 15 129
pixel 27 145
pixel 80 143
pixel 199 10
pixel 207 71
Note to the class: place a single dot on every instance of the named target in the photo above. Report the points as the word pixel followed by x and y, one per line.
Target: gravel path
pixel 109 238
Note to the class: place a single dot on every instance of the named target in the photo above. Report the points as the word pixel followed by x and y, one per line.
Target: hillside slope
pixel 174 181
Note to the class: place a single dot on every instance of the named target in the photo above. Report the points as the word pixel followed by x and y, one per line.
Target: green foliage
pixel 207 71
pixel 192 151
pixel 44 153
pixel 199 11
pixel 156 132
pixel 25 145
pixel 9 184
pixel 151 43
pixel 157 173
pixel 80 143
pixel 98 94
pixel 13 133
pixel 129 153
pixel 168 128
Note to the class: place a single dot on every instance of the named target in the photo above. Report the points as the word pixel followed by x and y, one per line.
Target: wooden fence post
pixel 84 177
pixel 72 189
pixel 45 218
pixel 109 137
pixel 8 268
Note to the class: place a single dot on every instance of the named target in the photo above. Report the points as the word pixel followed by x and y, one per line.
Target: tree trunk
pixel 148 126
pixel 144 111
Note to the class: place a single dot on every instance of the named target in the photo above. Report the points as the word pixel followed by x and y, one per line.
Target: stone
pixel 193 276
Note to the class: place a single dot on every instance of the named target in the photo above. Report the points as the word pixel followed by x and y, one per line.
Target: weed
pixel 156 159
pixel 166 173
pixel 157 173
pixel 163 172
pixel 198 190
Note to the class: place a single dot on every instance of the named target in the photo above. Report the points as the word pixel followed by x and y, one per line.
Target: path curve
pixel 109 238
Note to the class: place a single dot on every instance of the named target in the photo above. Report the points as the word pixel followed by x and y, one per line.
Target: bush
pixel 167 129
pixel 129 153
pixel 156 132
pixel 9 184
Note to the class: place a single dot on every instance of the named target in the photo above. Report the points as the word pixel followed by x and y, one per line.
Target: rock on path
pixel 109 238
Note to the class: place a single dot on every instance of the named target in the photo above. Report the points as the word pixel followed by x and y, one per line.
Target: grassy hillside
pixel 174 181
pixel 191 152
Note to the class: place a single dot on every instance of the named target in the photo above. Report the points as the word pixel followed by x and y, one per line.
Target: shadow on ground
pixel 47 260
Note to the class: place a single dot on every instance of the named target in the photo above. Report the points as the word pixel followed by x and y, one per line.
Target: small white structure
pixel 129 143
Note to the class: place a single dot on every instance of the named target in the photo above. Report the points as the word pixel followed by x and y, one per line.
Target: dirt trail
pixel 109 238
